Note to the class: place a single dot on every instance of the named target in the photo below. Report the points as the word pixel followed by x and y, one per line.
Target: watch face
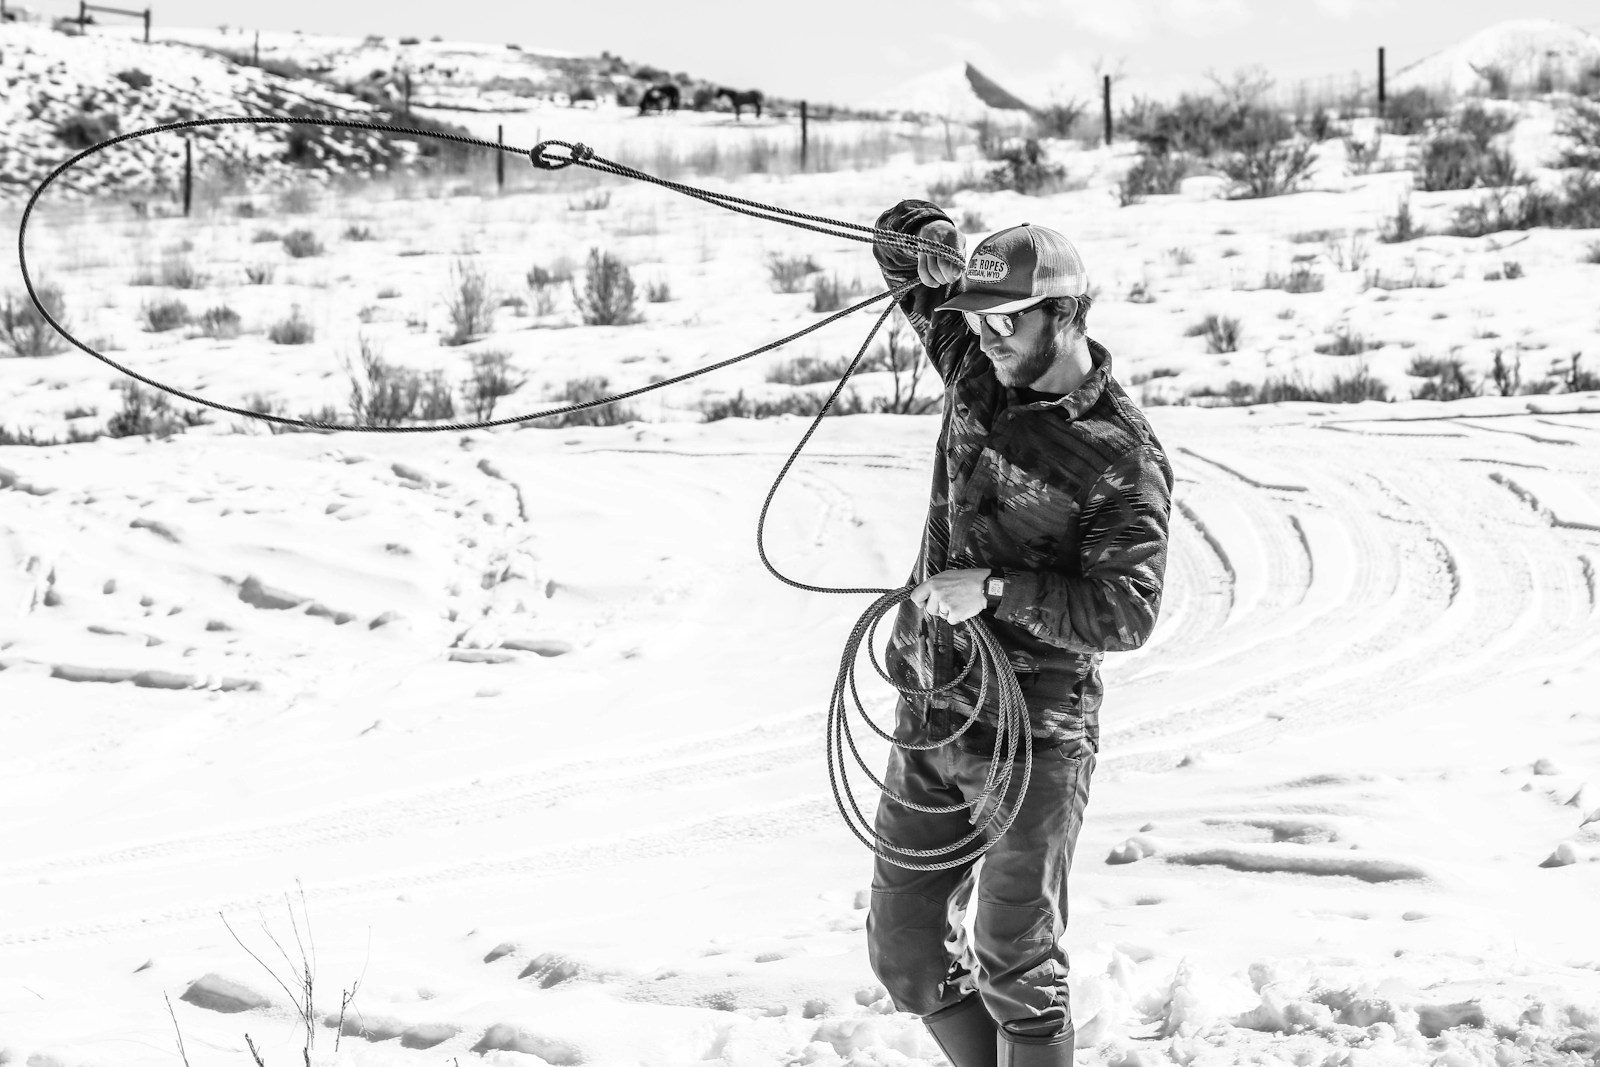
pixel 996 587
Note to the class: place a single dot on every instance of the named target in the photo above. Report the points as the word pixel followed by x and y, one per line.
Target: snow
pixel 510 731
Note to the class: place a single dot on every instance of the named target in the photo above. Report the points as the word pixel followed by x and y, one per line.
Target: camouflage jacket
pixel 1070 498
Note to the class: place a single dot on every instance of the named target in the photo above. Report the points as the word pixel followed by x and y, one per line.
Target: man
pixel 1048 518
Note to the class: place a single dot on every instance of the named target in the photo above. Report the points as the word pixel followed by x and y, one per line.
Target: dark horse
pixel 658 97
pixel 740 100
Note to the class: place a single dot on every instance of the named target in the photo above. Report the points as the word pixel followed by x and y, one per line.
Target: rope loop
pixel 1013 742
pixel 576 153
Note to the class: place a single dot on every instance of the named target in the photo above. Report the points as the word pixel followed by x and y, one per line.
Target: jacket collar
pixel 1076 403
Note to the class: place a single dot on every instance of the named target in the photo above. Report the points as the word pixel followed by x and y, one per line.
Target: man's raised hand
pixel 932 269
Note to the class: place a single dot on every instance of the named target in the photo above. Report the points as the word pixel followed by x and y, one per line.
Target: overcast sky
pixel 846 50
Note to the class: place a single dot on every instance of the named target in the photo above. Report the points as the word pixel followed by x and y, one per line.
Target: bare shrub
pixel 1352 388
pixel 293 330
pixel 1059 118
pixel 608 296
pixel 179 273
pixel 25 332
pixel 942 189
pixel 739 406
pixel 586 391
pixel 259 273
pixel 85 129
pixel 302 243
pixel 1573 377
pixel 149 413
pixel 1448 379
pixel 164 315
pixel 1221 333
pixel 1300 279
pixel 808 370
pixel 1455 160
pixel 469 305
pixel 1266 167
pixel 596 200
pixel 490 380
pixel 221 322
pixel 901 356
pixel 1023 169
pixel 1377 279
pixel 1345 342
pixel 832 293
pixel 1401 226
pixel 1575 205
pixel 1152 175
pixel 380 394
pixel 357 233
pixel 1580 121
pixel 1360 156
pixel 788 274
pixel 1412 111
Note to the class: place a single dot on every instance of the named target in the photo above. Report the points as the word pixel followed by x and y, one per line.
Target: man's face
pixel 1028 354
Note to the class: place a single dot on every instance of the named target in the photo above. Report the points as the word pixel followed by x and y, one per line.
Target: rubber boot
pixel 965 1032
pixel 1056 1053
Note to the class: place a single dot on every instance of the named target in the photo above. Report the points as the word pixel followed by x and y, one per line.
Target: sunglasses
pixel 1002 323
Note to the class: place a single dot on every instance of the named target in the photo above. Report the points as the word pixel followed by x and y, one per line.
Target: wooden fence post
pixel 408 94
pixel 83 16
pixel 146 25
pixel 188 173
pixel 1106 93
pixel 255 55
pixel 802 135
pixel 500 159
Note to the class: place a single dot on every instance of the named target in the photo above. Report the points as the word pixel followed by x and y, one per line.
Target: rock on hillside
pixel 60 94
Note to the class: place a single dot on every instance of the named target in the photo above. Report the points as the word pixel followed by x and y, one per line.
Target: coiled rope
pixel 994 667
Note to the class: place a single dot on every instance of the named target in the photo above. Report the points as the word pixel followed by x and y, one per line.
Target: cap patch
pixel 987 267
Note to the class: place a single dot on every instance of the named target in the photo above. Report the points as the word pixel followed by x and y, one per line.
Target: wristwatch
pixel 994 586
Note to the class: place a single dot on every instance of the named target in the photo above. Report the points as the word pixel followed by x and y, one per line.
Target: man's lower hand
pixel 954 596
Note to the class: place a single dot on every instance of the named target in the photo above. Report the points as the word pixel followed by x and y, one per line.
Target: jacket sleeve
pixel 1122 552
pixel 945 336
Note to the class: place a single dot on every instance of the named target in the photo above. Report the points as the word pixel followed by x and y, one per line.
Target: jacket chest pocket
pixel 1040 517
pixel 974 496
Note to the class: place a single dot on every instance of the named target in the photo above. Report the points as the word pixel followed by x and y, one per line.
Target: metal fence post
pixel 1106 93
pixel 1383 87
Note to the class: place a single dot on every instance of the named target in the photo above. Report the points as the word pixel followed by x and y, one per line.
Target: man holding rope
pixel 1048 517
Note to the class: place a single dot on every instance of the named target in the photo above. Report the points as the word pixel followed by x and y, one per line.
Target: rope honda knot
pixel 576 153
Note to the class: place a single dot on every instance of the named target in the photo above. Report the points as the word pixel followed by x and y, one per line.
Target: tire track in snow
pixel 726 758
pixel 800 815
pixel 1493 595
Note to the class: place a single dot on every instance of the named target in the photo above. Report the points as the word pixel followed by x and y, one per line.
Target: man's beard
pixel 1029 368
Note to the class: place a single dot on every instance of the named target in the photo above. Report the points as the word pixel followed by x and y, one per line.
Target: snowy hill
pixel 945 93
pixel 64 93
pixel 1525 50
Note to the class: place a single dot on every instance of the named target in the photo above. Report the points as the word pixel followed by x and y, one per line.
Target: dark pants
pixel 915 937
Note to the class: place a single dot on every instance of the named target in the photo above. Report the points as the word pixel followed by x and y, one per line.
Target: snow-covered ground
pixel 542 741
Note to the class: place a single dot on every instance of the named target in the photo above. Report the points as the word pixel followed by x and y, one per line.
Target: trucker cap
pixel 1018 266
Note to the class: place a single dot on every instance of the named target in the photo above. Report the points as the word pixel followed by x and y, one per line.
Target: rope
pixel 1013 726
